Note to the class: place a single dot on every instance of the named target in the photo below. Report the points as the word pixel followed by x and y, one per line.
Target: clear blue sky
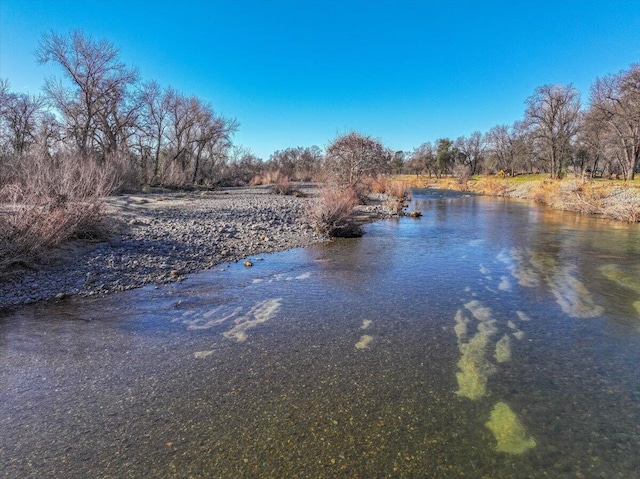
pixel 297 73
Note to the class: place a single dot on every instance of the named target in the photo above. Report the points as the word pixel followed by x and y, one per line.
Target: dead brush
pixel 332 213
pixel 582 197
pixel 494 186
pixel 378 184
pixel 395 206
pixel 283 187
pixel 48 202
pixel 546 191
pixel 397 189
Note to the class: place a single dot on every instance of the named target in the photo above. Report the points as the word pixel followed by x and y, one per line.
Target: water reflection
pixel 490 338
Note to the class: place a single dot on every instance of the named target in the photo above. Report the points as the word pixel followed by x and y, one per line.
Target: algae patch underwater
pixel 508 430
pixel 259 313
pixel 474 366
pixel 364 342
pixel 503 349
pixel 613 273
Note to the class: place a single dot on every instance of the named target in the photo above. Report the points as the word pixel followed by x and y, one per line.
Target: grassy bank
pixel 614 199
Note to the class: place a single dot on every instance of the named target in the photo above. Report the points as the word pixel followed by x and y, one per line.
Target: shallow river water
pixel 488 339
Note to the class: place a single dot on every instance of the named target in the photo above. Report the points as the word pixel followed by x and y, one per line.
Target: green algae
pixel 519 335
pixel 508 430
pixel 503 349
pixel 364 342
pixel 461 326
pixel 613 273
pixel 481 313
pixel 474 367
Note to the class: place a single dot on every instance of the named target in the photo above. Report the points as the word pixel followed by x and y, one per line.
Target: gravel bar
pixel 161 237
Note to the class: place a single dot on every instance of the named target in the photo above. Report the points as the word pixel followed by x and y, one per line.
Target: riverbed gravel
pixel 162 237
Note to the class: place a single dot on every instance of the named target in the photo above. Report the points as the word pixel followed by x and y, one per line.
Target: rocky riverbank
pixel 162 237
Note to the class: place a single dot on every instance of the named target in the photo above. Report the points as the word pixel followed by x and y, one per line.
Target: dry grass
pixel 397 188
pixel 619 200
pixel 280 184
pixel 47 202
pixel 490 185
pixel 332 213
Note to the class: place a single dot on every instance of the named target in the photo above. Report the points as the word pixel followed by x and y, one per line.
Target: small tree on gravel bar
pixel 352 157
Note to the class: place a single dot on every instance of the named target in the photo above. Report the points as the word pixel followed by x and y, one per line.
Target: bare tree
pixel 20 117
pixel 353 156
pixel 195 131
pixel 95 107
pixel 502 143
pixel 423 159
pixel 284 161
pixel 298 163
pixel 213 133
pixel 472 150
pixel 553 114
pixel 309 163
pixel 153 120
pixel 615 102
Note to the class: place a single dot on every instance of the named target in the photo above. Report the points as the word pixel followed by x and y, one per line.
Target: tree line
pixel 555 136
pixel 100 111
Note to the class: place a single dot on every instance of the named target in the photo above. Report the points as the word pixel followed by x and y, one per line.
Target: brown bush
pixel 462 174
pixel 257 180
pixel 397 189
pixel 332 213
pixel 391 187
pixel 49 201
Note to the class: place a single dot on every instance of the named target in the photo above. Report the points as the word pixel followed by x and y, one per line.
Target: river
pixel 489 338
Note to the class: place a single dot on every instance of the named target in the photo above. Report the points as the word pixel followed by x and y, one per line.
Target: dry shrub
pixel 174 176
pixel 493 185
pixel 332 213
pixel 394 205
pixel 374 184
pixel 546 191
pixel 572 195
pixel 125 174
pixel 388 186
pixel 283 187
pixel 447 183
pixel 580 196
pixel 257 180
pixel 273 178
pixel 622 210
pixel 397 189
pixel 49 201
pixel 462 174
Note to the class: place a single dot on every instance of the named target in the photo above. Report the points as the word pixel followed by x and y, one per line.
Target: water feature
pixel 489 338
